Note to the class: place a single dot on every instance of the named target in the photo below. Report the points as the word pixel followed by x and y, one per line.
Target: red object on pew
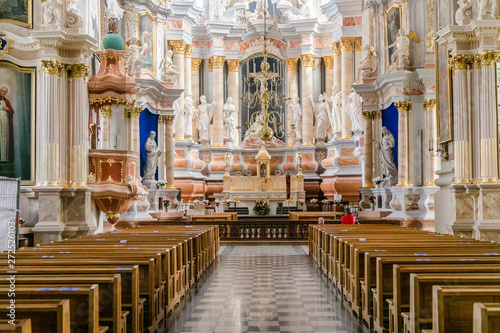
pixel 348 219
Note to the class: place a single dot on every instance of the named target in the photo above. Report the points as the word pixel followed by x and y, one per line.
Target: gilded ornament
pixel 346 43
pixel 233 65
pixel 308 60
pixel 357 44
pixel 53 67
pixel 169 119
pixel 188 52
pixel 403 106
pixel 110 100
pixel 336 49
pixel 291 64
pixel 461 62
pixel 429 103
pixel 216 62
pixel 488 59
pixel 106 111
pixel 328 62
pixel 370 115
pixel 195 64
pixel 77 71
pixel 177 46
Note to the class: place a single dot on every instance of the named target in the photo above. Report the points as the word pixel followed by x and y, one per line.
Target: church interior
pixel 250 166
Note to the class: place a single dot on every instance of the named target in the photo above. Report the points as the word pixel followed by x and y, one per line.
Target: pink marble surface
pixel 350 21
pixel 279 44
pixel 323 42
pixel 294 44
pixel 179 25
pixel 202 45
pixel 230 46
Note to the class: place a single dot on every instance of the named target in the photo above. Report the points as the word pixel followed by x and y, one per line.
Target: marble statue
pixel 463 15
pixel 298 160
pixel 203 117
pixel 188 115
pixel 227 158
pixel 170 73
pixel 389 168
pixel 321 112
pixel 306 7
pixel 354 102
pixel 261 8
pixel 488 9
pixel 291 16
pixel 336 118
pixel 178 114
pixel 368 65
pixel 256 126
pixel 401 55
pixel 297 117
pixel 133 64
pixel 217 9
pixel 51 13
pixel 229 125
pixel 6 127
pixel 152 155
pixel 114 13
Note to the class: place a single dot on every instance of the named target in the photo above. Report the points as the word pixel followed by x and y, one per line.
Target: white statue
pixel 133 65
pixel 152 155
pixel 170 73
pixel 401 55
pixel 229 125
pixel 227 158
pixel 291 16
pixel 298 160
pixel 389 168
pixel 463 15
pixel 52 14
pixel 261 8
pixel 203 117
pixel 297 117
pixel 306 8
pixel 189 110
pixel 354 110
pixel 256 126
pixel 114 13
pixel 284 3
pixel 488 9
pixel 368 65
pixel 321 112
pixel 217 9
pixel 178 114
pixel 336 117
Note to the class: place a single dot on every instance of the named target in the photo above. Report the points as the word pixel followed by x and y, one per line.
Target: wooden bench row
pixel 379 271
pixel 128 280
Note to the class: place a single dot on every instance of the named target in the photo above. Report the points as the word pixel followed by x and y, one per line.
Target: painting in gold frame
pixel 444 96
pixel 18 12
pixel 17 122
pixel 147 38
pixel 393 22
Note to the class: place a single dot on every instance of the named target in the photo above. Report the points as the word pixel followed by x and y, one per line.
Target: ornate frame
pixel 153 38
pixel 444 63
pixel 394 5
pixel 29 24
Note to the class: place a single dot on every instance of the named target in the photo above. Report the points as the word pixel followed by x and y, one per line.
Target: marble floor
pixel 263 289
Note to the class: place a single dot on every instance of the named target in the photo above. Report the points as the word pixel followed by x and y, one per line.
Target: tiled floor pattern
pixel 263 289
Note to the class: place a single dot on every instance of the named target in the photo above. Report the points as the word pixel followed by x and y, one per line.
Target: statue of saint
pixel 368 65
pixel 336 100
pixel 401 55
pixel 188 115
pixel 228 157
pixel 488 9
pixel 203 117
pixel 229 125
pixel 297 117
pixel 389 168
pixel 152 155
pixel 114 12
pixel 170 73
pixel 321 112
pixel 6 127
pixel 355 108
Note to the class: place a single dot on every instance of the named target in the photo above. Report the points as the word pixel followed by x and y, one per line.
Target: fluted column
pixel 161 136
pixel 178 47
pixel 233 91
pixel 293 91
pixel 78 99
pixel 337 65
pixel 368 162
pixel 461 118
pixel 346 46
pixel 308 61
pixel 217 64
pixel 489 117
pixel 169 151
pixel 404 176
pixel 105 115
pixel 195 89
pixel 188 52
pixel 431 159
pixel 328 60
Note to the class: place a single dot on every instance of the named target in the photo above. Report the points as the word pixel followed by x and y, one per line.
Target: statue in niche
pixel 336 100
pixel 188 115
pixel 229 126
pixel 488 9
pixel 389 169
pixel 133 64
pixel 203 117
pixel 368 65
pixel 152 155
pixel 263 170
pixel 114 13
pixel 354 102
pixel 170 73
pixel 401 55
pixel 463 15
pixel 297 117
pixel 52 14
pixel 321 112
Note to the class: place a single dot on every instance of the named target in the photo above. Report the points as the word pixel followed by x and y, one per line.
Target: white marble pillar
pixel 217 64
pixel 293 91
pixel 337 65
pixel 430 143
pixel 178 47
pixel 169 151
pixel 233 91
pixel 329 74
pixel 161 135
pixel 404 176
pixel 368 162
pixel 133 113
pixel 377 136
pixel 346 45
pixel 308 62
pixel 195 90
pixel 105 113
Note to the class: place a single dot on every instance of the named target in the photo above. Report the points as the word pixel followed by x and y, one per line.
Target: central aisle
pixel 263 289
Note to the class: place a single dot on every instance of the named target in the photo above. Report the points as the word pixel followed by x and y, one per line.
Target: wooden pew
pixel 453 306
pixel 47 316
pixel 21 326
pixel 486 317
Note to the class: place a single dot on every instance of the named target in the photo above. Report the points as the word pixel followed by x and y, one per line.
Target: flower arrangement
pixel 197 202
pixel 325 201
pixel 314 201
pixel 206 202
pixel 160 184
pixel 166 204
pixel 377 180
pixel 372 200
pixel 301 202
pixel 337 202
pixel 279 209
pixel 261 208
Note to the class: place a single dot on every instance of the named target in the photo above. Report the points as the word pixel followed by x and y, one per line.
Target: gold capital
pixel 370 115
pixel 429 103
pixel 346 43
pixel 403 106
pixel 177 46
pixel 132 112
pixel 77 71
pixel 488 58
pixel 233 65
pixel 328 62
pixel 336 49
pixel 308 60
pixel 216 62
pixel 188 52
pixel 169 119
pixel 53 67
pixel 291 64
pixel 106 111
pixel 195 64
pixel 461 62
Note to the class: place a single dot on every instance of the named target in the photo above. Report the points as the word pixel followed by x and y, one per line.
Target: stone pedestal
pixel 464 209
pixel 406 203
pixel 428 193
pixel 383 198
pixel 487 226
pixel 50 224
pixel 156 198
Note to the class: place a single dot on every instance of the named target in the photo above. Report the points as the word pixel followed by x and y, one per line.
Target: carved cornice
pixel 106 111
pixel 100 102
pixel 429 104
pixel 403 106
pixel 196 63
pixel 77 71
pixel 177 46
pixel 188 51
pixel 308 60
pixel 233 65
pixel 336 49
pixel 291 64
pixel 53 67
pixel 328 62
pixel 216 62
pixel 461 62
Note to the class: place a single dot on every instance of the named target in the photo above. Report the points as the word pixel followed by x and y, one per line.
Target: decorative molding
pixel 77 71
pixel 188 52
pixel 336 49
pixel 291 64
pixel 233 65
pixel 429 104
pixel 177 46
pixel 308 60
pixel 196 63
pixel 461 62
pixel 216 62
pixel 110 101
pixel 403 106
pixel 53 67
pixel 328 62
pixel 370 115
pixel 106 111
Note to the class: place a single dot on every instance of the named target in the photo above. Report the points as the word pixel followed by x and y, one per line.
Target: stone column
pixel 368 165
pixel 328 74
pixel 217 64
pixel 78 99
pixel 179 47
pixel 308 62
pixel 233 91
pixel 169 151
pixel 161 137
pixel 195 89
pixel 293 91
pixel 188 52
pixel 404 177
pixel 105 116
pixel 134 113
pixel 346 46
pixel 430 142
pixel 337 65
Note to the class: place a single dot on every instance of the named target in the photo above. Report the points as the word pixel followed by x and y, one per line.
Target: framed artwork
pixel 393 22
pixel 444 96
pixel 147 38
pixel 17 122
pixel 19 12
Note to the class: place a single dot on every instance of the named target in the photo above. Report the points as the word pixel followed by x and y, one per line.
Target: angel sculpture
pixel 133 64
pixel 401 55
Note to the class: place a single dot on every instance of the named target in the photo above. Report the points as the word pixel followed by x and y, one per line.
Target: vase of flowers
pixel 377 181
pixel 261 208
pixel 326 204
pixel 301 203
pixel 372 202
pixel 279 209
pixel 166 204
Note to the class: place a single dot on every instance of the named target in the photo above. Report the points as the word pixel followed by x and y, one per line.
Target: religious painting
pixel 17 117
pixel 393 22
pixel 17 12
pixel 444 101
pixel 147 38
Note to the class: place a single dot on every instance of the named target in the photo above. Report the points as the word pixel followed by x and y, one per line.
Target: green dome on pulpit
pixel 113 41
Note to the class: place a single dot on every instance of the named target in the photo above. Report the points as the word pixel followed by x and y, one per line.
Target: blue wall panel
pixel 147 122
pixel 390 118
